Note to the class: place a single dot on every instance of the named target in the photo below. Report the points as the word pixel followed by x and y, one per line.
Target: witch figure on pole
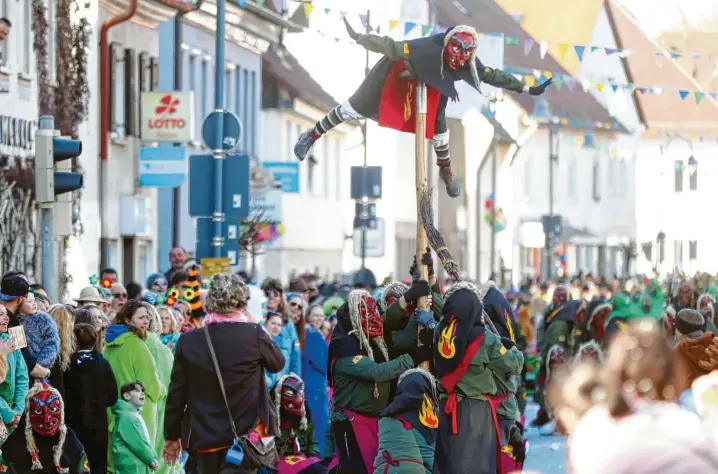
pixel 387 94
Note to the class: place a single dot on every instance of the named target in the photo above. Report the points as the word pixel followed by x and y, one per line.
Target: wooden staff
pixel 422 242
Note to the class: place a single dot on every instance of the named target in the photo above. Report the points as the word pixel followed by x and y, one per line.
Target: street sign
pixel 364 215
pixel 286 172
pixel 210 267
pixel 167 116
pixel 375 241
pixel 205 233
pixel 235 186
pixel 366 182
pixel 266 205
pixel 231 135
pixel 162 167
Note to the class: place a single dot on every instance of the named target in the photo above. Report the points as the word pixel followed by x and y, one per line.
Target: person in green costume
pixel 360 374
pixel 473 365
pixel 706 305
pixel 408 426
pixel 620 315
pixel 132 450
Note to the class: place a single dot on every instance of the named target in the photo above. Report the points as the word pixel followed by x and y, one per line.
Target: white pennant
pixel 543 48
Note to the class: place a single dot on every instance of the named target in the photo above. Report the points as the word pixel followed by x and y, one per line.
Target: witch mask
pixel 459 49
pixel 560 296
pixel 292 398
pixel 371 323
pixel 45 413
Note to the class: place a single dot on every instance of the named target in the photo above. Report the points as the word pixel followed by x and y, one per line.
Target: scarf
pixel 236 317
pixel 416 402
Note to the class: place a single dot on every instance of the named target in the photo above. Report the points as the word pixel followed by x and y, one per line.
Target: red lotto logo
pixel 168 105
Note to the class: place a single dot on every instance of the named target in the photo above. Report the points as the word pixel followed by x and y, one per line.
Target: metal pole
pixel 493 207
pixel 364 132
pixel 47 122
pixel 218 154
pixel 549 234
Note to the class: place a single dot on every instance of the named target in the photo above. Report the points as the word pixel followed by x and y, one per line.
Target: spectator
pixel 697 351
pixel 14 289
pixel 64 317
pixel 108 274
pixel 16 383
pixel 169 333
pixel 5 26
pixel 43 302
pixel 299 285
pixel 91 295
pixel 287 340
pixel 315 316
pixel 178 259
pixel 134 291
pixel 119 297
pixel 157 283
pixel 179 279
pixel 91 389
pixel 243 351
pixel 131 360
pixel 130 443
pixel 43 340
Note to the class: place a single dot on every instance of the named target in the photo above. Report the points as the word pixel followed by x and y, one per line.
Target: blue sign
pixel 231 134
pixel 162 167
pixel 205 233
pixel 235 186
pixel 286 172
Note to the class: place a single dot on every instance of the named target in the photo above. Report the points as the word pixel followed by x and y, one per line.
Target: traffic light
pixel 51 149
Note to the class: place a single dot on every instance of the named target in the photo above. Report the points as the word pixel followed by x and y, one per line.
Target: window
pixel 24 34
pixel 253 111
pixel 678 165
pixel 571 178
pixel 245 106
pixel 693 250
pixel 117 91
pixel 692 174
pixel 678 253
pixel 130 92
pixel 204 86
pixel 238 94
pixel 596 181
pixel 228 75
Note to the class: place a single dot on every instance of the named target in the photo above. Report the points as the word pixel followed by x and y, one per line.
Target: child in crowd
pixel 131 448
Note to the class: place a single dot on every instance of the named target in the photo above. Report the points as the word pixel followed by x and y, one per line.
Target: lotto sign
pixel 167 116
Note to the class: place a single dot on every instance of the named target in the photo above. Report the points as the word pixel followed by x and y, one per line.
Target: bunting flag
pixel 242 3
pixel 393 24
pixel 579 51
pixel 562 50
pixel 408 27
pixel 308 8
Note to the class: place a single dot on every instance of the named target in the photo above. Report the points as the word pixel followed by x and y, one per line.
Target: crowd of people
pixel 190 375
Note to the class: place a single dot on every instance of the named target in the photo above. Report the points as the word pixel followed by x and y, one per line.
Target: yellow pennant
pixel 530 80
pixel 393 24
pixel 599 87
pixel 562 50
pixel 308 8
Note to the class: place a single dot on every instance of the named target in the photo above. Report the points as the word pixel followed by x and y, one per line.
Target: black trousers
pixel 348 453
pixel 213 463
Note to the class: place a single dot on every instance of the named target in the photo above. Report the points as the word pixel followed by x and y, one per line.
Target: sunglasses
pixel 271 293
pixel 160 282
pixel 119 295
pixel 294 304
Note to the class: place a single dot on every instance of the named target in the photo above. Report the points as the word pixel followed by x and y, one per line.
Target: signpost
pixel 230 239
pixel 286 172
pixel 234 190
pixel 162 167
pixel 231 130
pixel 373 241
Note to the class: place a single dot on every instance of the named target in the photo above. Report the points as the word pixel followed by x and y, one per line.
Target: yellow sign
pixel 214 266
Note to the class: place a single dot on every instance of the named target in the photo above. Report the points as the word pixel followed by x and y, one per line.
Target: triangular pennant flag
pixel 528 45
pixel 585 84
pixel 363 19
pixel 641 90
pixel 511 41
pixel 529 80
pixel 562 50
pixel 675 55
pixel 579 51
pixel 426 29
pixel 260 3
pixel 614 87
pixel 308 8
pixel 714 95
pixel 393 24
pixel 537 74
pixel 557 82
pixel 543 48
pixel 684 94
pixel 241 3
pixel 547 74
pixel 610 51
pixel 629 87
pixel 408 26
pixel 595 48
pixel 599 87
pixel 337 39
pixel 327 10
pixel 570 82
pixel 699 96
pixel 342 15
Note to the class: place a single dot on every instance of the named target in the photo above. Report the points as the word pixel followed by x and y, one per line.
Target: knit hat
pixel 30 437
pixel 152 278
pixel 690 322
pixel 191 292
pixel 227 294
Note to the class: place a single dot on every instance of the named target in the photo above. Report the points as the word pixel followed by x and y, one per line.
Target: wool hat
pixel 191 292
pixel 690 322
pixel 152 278
pixel 13 287
pixel 227 294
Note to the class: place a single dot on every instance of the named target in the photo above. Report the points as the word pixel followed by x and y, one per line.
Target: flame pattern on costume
pixel 292 460
pixel 427 415
pixel 447 348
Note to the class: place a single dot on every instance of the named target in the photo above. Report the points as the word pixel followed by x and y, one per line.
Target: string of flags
pixel 532 76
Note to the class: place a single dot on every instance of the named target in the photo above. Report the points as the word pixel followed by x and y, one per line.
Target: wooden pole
pixel 420 165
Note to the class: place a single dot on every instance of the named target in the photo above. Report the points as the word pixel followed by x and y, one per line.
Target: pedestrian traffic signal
pixel 51 149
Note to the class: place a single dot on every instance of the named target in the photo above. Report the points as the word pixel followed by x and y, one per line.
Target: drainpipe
pixel 176 194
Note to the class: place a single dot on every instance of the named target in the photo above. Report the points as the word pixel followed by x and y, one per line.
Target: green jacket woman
pixel 163 358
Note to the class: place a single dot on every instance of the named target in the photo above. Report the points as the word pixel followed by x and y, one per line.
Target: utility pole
pixel 494 146
pixel 552 159
pixel 364 133
pixel 218 153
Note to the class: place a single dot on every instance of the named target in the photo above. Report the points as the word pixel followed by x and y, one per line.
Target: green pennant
pixel 260 3
pixel 595 48
pixel 699 96
pixel 426 29
pixel 511 41
pixel 557 82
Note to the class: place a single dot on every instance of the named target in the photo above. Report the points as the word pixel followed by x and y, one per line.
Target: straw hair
pixel 472 60
pixel 356 303
pixel 430 378
pixel 30 437
pixel 303 423
pixel 463 285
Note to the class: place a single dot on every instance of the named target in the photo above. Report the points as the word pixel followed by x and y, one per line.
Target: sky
pixel 657 15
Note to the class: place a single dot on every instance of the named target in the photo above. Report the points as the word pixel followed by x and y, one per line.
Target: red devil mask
pixel 45 413
pixel 459 49
pixel 371 322
pixel 556 358
pixel 560 296
pixel 706 304
pixel 409 307
pixel 599 322
pixel 685 296
pixel 292 395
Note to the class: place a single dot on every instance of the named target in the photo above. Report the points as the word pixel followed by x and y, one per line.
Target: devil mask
pixel 685 296
pixel 560 296
pixel 45 413
pixel 292 398
pixel 371 323
pixel 459 50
